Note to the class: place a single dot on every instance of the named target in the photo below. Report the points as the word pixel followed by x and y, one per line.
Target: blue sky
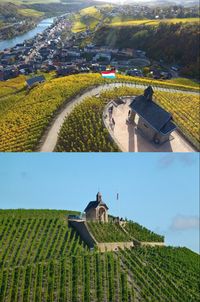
pixel 159 191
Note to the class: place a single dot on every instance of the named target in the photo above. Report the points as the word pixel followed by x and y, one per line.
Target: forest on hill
pixel 43 259
pixel 166 41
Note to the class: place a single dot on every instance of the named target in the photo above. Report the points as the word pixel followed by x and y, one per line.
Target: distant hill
pixel 174 43
pixel 154 2
pixel 43 259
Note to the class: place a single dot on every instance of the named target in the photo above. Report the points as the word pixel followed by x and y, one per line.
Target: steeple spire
pixel 99 197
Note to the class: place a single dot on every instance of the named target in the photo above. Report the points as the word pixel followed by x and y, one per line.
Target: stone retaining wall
pixel 81 227
pixel 152 244
pixel 114 246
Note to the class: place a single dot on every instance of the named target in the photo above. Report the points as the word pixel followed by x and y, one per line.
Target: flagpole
pixel 118 205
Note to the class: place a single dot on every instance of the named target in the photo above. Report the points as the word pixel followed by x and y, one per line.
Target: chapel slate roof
pixel 35 80
pixel 94 204
pixel 152 113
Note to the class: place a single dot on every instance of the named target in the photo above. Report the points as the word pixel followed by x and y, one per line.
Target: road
pixel 49 140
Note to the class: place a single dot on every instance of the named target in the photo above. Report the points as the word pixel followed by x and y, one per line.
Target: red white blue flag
pixel 109 74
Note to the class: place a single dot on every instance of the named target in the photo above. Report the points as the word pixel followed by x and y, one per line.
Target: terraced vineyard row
pixel 85 277
pixel 42 260
pixel 34 237
pixel 185 110
pixel 108 232
pixel 24 115
pixel 22 125
pixel 112 232
pixel 84 131
pixel 141 233
pixel 163 274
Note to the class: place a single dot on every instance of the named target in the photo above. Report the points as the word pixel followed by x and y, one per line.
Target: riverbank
pixel 37 28
pixel 17 29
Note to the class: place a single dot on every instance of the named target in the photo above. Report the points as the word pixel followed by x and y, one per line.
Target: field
pixel 42 259
pixel 30 12
pixel 24 115
pixel 118 22
pixel 87 18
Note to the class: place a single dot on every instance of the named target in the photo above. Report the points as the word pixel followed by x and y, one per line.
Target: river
pixel 28 35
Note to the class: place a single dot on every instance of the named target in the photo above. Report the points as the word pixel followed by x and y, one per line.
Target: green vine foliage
pixel 43 259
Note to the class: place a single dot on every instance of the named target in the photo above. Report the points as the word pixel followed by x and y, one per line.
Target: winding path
pixel 49 139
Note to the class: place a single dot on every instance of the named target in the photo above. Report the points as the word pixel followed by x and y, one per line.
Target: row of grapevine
pixel 185 110
pixel 108 232
pixel 26 239
pixel 42 259
pixel 83 129
pixel 82 278
pixel 113 232
pixel 163 274
pixel 24 116
pixel 141 233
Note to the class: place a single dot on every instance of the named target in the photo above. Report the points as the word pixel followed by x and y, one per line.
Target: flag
pixel 117 196
pixel 109 74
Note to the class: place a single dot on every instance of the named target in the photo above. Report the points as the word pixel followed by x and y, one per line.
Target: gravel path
pixel 49 140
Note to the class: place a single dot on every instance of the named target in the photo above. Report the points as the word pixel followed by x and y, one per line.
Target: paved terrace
pixel 130 139
pixel 49 139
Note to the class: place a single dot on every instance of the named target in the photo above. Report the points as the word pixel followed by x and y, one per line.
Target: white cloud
pixel 181 222
pixel 186 159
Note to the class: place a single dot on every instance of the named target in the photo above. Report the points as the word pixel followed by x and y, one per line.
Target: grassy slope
pixel 41 259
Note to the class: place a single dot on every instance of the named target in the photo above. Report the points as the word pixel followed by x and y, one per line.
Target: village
pixel 58 49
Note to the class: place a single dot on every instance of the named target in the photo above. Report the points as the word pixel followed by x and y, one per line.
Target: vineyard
pixel 25 115
pixel 185 110
pixel 108 232
pixel 141 233
pixel 83 129
pixel 163 273
pixel 42 259
pixel 113 232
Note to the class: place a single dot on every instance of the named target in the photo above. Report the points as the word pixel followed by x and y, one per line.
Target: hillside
pixel 112 232
pixel 26 114
pixel 42 259
pixel 161 40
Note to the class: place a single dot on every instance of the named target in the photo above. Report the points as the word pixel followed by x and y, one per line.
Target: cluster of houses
pixel 65 58
pixel 153 12
pixel 49 51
